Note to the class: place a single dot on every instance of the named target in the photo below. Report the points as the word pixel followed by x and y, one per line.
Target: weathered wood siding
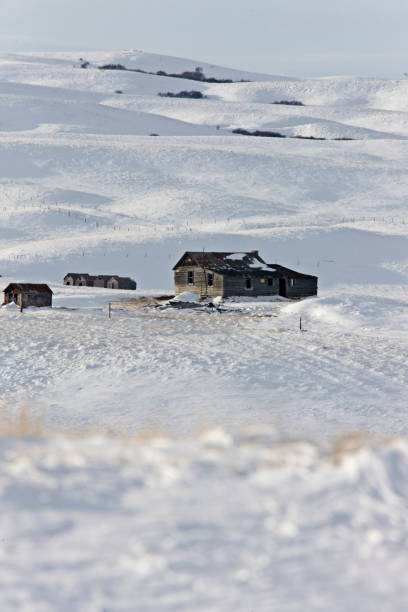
pixel 32 298
pixel 99 282
pixel 12 296
pixel 28 298
pixel 237 285
pixel 301 287
pixel 113 283
pixel 83 281
pixel 200 285
pixel 122 283
pixel 228 285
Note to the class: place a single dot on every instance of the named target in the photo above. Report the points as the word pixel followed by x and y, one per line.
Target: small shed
pixel 78 279
pixel 101 280
pixel 241 273
pixel 121 282
pixel 28 294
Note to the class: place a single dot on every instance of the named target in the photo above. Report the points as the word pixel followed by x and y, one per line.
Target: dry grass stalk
pixel 19 421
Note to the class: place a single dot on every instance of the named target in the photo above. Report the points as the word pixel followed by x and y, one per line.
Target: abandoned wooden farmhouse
pixel 108 281
pixel 228 274
pixel 28 294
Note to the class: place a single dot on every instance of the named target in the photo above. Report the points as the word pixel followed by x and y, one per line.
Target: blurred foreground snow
pixel 209 522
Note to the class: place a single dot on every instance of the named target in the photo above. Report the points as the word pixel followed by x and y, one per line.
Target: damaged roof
pixel 39 288
pixel 245 262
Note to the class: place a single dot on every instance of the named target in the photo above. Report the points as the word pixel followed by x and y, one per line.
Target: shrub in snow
pixel 320 138
pixel 264 133
pixel 183 94
pixel 112 67
pixel 309 137
pixel 289 102
pixel 197 75
pixel 194 76
pixel 267 134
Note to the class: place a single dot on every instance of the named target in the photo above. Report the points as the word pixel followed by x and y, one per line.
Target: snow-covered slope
pixel 99 174
pixel 133 59
pixel 82 177
pixel 384 94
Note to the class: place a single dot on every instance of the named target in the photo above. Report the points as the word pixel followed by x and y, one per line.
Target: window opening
pixel 190 277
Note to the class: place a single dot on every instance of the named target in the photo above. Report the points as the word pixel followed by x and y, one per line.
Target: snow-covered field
pixel 191 460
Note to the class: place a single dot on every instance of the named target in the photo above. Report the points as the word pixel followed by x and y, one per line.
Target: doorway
pixel 282 287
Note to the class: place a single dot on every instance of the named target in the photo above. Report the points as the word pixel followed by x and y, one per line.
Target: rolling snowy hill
pixel 203 500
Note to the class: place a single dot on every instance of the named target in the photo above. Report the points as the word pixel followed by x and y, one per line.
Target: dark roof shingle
pixel 248 262
pixel 38 287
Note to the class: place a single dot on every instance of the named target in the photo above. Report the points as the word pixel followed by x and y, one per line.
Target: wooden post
pixel 205 276
pixel 300 323
pixel 109 309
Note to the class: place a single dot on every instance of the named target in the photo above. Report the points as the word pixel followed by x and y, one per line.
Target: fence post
pixel 300 323
pixel 109 309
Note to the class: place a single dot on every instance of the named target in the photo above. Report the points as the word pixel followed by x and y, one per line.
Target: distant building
pixel 121 282
pixel 101 280
pixel 246 274
pixel 108 281
pixel 28 294
pixel 79 279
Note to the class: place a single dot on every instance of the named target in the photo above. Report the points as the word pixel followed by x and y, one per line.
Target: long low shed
pixel 108 281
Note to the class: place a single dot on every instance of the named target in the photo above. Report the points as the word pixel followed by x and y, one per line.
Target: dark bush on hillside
pixel 267 134
pixel 112 67
pixel 316 138
pixel 214 80
pixel 195 76
pixel 196 95
pixel 308 137
pixel 263 133
pixel 288 102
